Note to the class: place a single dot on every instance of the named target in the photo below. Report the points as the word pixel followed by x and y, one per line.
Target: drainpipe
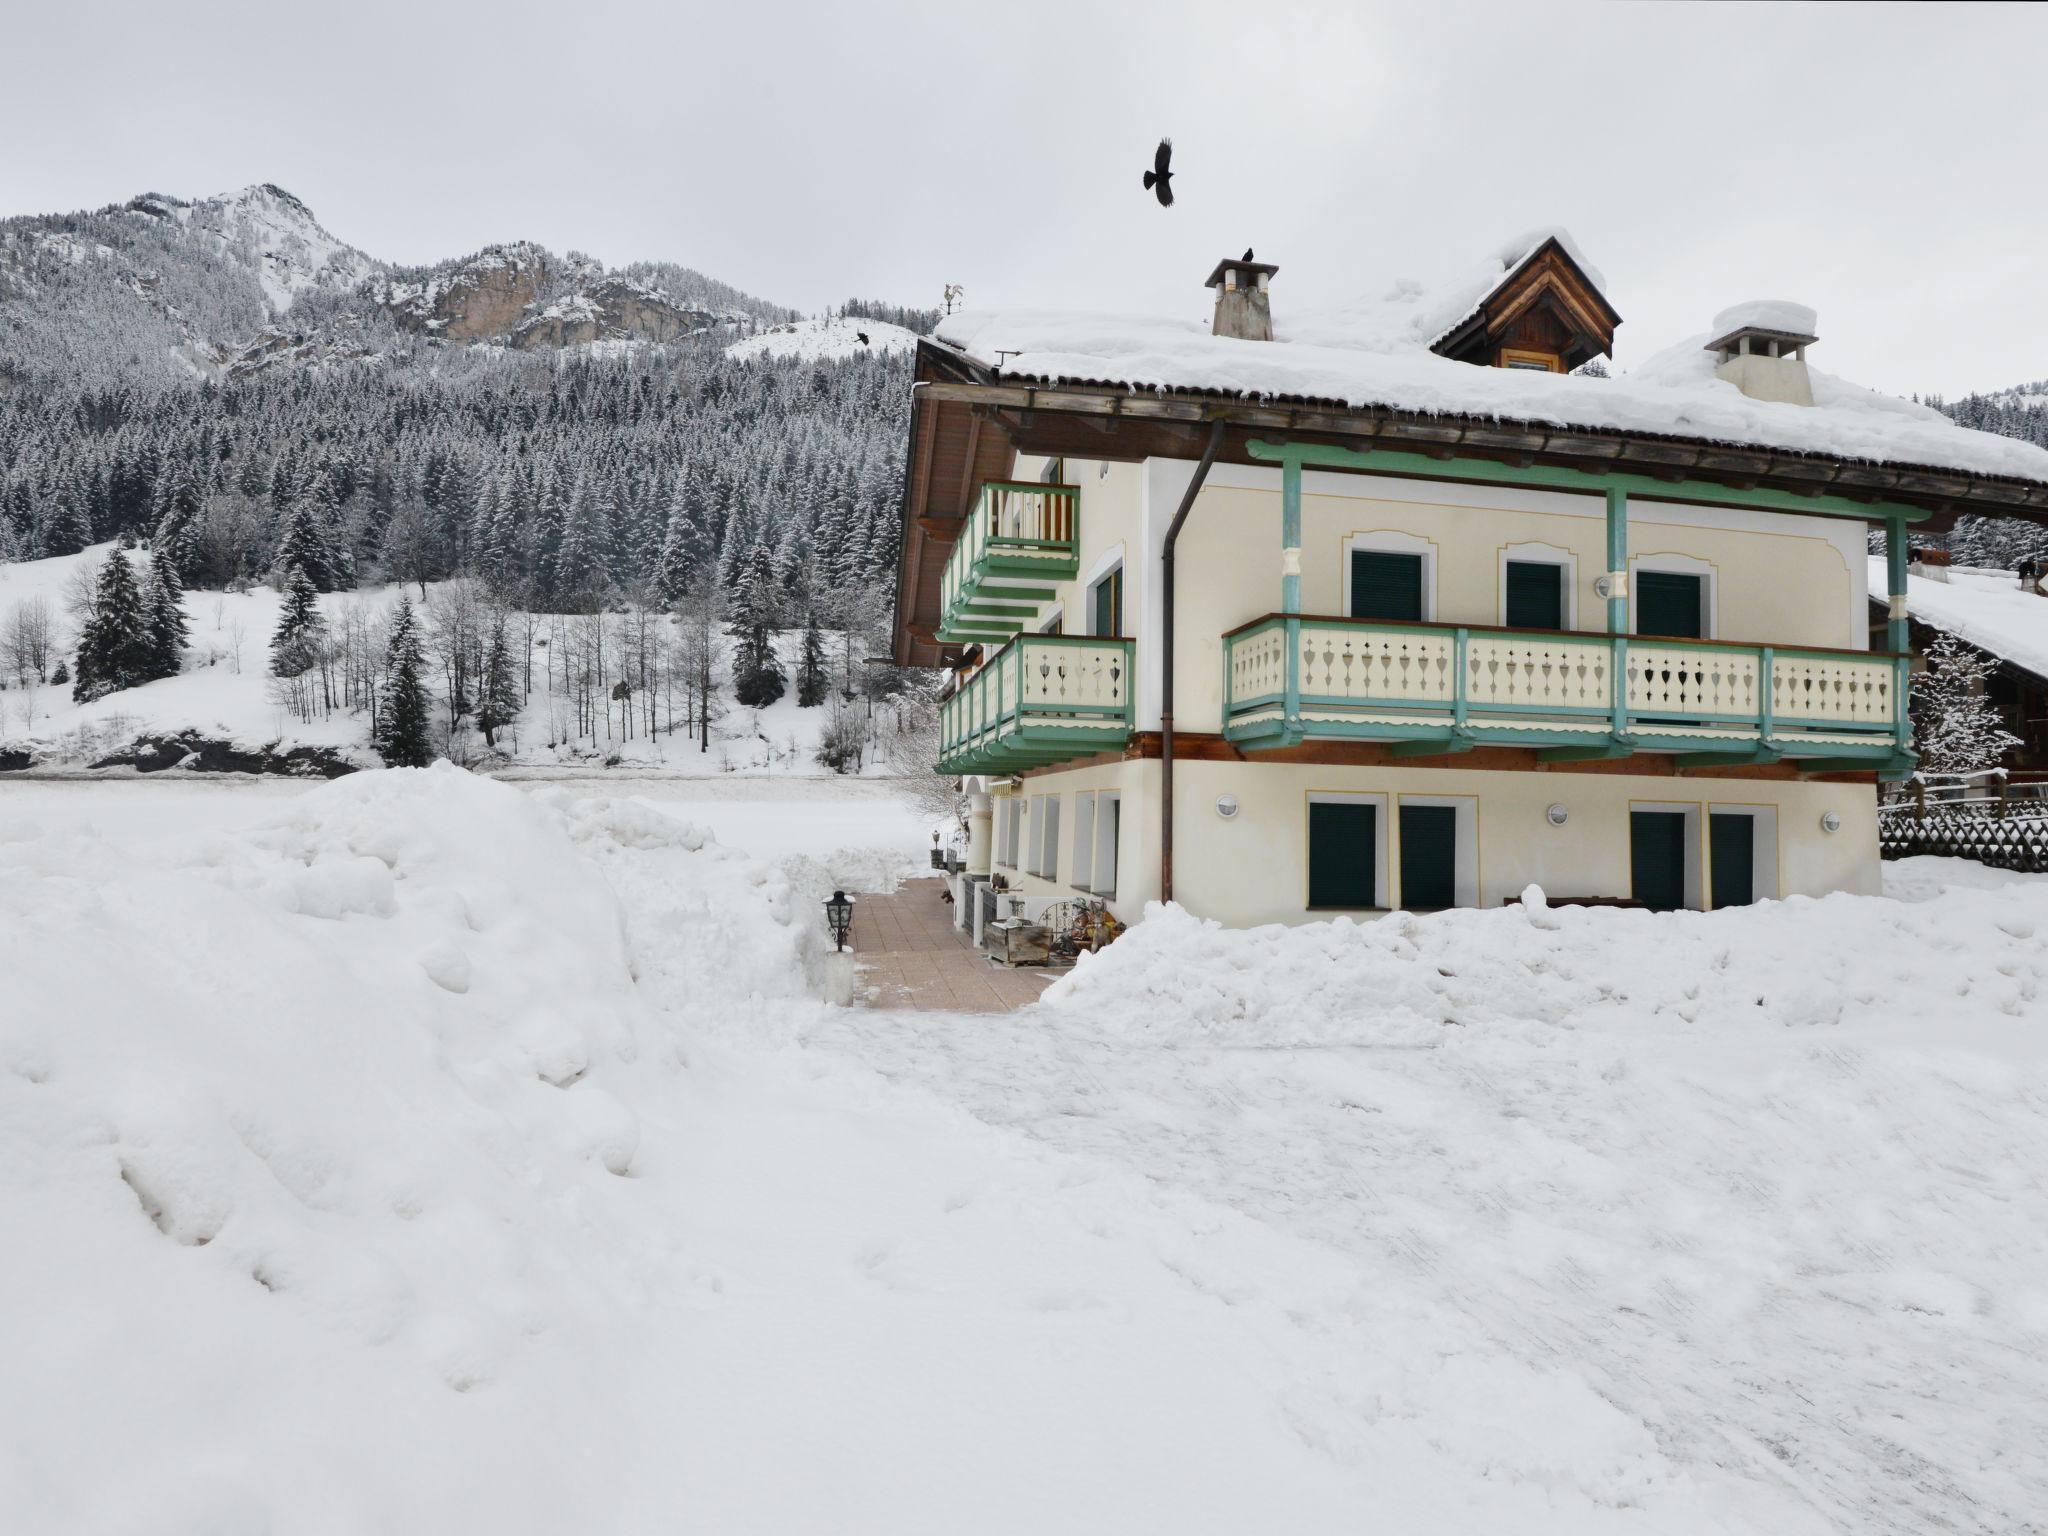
pixel 1187 503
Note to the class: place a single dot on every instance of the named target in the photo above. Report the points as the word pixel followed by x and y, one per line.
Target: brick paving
pixel 911 956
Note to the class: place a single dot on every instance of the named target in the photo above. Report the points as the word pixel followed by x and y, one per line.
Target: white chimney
pixel 1761 349
pixel 1243 308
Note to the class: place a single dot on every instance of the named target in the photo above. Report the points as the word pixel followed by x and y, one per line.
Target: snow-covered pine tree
pixel 164 611
pixel 66 531
pixel 302 542
pixel 300 625
pixel 113 645
pixel 1956 727
pixel 401 736
pixel 810 669
pixel 757 677
pixel 498 693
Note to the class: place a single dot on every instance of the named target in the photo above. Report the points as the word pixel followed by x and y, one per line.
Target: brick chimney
pixel 1242 307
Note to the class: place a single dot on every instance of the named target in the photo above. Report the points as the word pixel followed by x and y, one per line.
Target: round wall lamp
pixel 1830 822
pixel 1226 806
pixel 1557 815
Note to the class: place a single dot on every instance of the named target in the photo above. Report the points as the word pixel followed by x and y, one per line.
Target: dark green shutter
pixel 1341 838
pixel 1656 855
pixel 1109 603
pixel 1731 842
pixel 1535 596
pixel 1429 857
pixel 1670 604
pixel 1385 586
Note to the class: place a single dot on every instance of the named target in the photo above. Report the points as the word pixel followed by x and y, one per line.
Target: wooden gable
pixel 1545 309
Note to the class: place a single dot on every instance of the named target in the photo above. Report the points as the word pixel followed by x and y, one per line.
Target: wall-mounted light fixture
pixel 1830 822
pixel 1226 806
pixel 1557 815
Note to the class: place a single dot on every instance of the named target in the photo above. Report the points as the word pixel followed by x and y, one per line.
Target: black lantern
pixel 938 858
pixel 839 915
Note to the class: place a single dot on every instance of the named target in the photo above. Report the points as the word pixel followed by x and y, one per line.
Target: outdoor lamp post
pixel 839 915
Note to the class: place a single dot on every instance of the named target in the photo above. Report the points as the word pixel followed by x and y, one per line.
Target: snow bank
pixel 1972 966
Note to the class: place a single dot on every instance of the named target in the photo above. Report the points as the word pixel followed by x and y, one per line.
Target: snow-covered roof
pixel 1374 352
pixel 1985 608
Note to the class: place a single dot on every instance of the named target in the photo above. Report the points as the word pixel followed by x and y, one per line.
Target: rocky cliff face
pixel 613 309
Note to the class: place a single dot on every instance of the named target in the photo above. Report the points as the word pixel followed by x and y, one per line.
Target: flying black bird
pixel 863 335
pixel 1247 254
pixel 1159 180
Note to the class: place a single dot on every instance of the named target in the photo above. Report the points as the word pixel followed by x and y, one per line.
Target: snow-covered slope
pixel 270 232
pixel 829 340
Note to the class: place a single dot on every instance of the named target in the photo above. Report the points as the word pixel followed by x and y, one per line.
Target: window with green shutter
pixel 1343 838
pixel 1535 595
pixel 1108 603
pixel 1385 585
pixel 1656 856
pixel 1731 844
pixel 1671 604
pixel 1429 857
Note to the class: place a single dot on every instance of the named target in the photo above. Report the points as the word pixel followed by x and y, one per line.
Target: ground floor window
pixel 1347 852
pixel 1742 854
pixel 1663 856
pixel 1049 837
pixel 1084 840
pixel 1012 820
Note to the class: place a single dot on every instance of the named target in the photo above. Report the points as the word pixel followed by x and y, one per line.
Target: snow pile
pixel 811 341
pixel 1376 354
pixel 371 1168
pixel 1988 609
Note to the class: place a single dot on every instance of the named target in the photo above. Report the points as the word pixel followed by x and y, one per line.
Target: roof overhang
pixel 969 422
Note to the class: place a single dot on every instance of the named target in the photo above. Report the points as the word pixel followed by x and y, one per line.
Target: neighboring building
pixel 1389 611
pixel 1995 614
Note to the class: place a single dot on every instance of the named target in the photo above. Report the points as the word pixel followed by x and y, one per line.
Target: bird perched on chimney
pixel 1247 254
pixel 1158 180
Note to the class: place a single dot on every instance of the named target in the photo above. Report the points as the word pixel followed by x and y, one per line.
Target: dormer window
pixel 1545 314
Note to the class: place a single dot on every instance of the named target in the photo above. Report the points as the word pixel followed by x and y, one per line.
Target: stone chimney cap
pixel 1778 320
pixel 1248 272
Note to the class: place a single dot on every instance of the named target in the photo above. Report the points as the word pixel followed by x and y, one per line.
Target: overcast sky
pixel 1884 165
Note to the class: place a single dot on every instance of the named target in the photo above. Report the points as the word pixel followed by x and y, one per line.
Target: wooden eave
pixel 968 424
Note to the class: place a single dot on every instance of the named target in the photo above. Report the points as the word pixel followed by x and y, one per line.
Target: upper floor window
pixel 1672 604
pixel 1386 584
pixel 1106 603
pixel 1533 595
pixel 1542 362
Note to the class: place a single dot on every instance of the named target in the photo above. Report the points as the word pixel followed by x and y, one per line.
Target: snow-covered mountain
pixel 232 284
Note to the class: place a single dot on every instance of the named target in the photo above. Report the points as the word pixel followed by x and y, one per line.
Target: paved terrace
pixel 911 956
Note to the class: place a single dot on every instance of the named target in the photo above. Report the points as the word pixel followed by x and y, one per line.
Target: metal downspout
pixel 1187 503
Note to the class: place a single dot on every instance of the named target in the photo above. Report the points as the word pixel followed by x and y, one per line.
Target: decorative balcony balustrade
pixel 1040 699
pixel 1430 689
pixel 1020 538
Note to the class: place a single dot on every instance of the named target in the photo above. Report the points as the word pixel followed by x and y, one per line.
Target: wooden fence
pixel 2011 842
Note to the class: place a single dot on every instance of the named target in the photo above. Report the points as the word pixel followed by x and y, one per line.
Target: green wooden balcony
pixel 1040 699
pixel 1431 689
pixel 1020 538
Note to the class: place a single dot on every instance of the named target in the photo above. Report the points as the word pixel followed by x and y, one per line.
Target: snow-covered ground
pixel 418 1151
pixel 225 692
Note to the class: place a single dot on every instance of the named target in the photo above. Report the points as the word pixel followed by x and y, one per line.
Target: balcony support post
pixel 1290 534
pixel 1766 722
pixel 1898 631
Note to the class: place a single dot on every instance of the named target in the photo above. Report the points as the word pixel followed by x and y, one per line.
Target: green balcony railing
pixel 1429 689
pixel 1040 699
pixel 1020 538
